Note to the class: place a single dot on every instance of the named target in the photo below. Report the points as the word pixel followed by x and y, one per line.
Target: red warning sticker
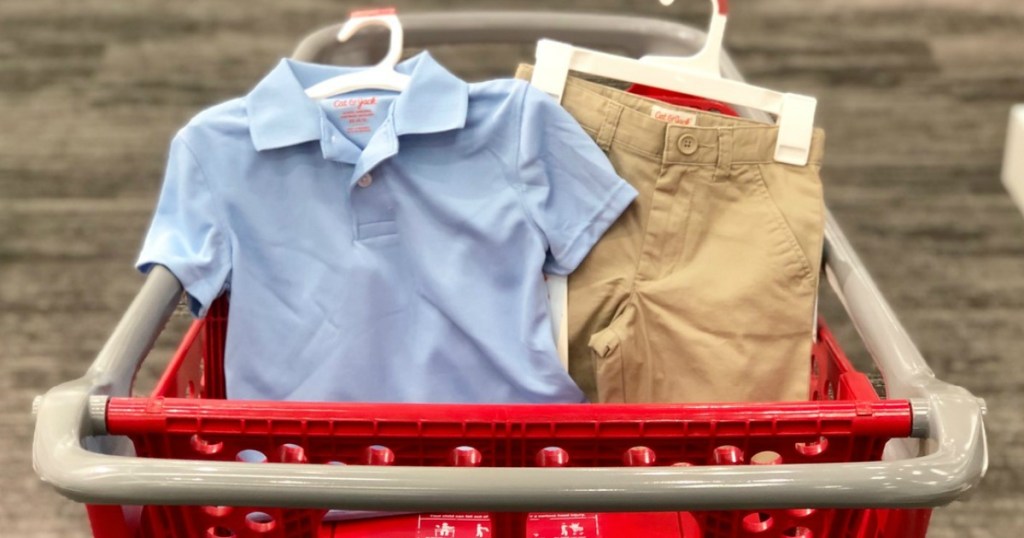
pixel 454 526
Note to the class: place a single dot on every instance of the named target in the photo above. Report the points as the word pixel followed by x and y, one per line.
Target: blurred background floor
pixel 914 96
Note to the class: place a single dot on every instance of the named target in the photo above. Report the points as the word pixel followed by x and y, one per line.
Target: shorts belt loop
pixel 605 135
pixel 724 168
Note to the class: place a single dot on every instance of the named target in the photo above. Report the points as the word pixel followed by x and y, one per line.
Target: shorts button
pixel 365 181
pixel 687 144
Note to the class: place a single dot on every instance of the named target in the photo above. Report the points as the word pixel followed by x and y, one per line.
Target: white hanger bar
pixel 381 76
pixel 682 79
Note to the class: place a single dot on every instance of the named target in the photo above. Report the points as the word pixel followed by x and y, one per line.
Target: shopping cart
pixel 187 463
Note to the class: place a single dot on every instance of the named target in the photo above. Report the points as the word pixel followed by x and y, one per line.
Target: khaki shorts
pixel 705 288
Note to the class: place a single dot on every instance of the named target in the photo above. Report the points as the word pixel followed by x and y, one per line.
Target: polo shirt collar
pixel 281 115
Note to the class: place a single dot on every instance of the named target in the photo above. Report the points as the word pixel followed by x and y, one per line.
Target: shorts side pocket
pixel 788 247
pixel 606 352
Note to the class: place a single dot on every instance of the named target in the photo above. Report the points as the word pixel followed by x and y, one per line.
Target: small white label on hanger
pixel 675 117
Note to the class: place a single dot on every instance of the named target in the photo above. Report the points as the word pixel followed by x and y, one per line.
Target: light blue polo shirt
pixel 383 246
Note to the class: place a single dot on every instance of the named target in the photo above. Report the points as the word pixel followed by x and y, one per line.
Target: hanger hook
pixel 388 18
pixel 719 6
pixel 708 57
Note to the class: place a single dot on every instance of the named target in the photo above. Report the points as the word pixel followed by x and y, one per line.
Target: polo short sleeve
pixel 569 188
pixel 187 234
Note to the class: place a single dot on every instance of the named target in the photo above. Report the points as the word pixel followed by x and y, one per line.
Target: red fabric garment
pixel 680 99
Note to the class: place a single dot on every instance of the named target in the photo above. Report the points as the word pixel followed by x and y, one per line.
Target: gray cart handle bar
pixel 945 457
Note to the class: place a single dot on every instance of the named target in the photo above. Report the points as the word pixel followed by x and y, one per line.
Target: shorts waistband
pixel 631 122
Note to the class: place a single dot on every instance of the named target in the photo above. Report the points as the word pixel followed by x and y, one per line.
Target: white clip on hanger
pixel 381 76
pixel 695 75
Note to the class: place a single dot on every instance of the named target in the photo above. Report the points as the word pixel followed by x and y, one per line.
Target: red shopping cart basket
pixel 187 418
pixel 185 462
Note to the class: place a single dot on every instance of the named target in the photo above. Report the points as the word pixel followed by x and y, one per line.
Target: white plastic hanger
pixel 697 75
pixel 381 76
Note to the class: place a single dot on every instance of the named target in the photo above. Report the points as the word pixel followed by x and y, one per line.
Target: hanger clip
pixel 796 129
pixel 551 69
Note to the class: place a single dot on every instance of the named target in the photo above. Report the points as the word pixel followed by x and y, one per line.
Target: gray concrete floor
pixel 914 96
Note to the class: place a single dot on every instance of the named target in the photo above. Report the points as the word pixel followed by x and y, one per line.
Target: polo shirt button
pixel 365 181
